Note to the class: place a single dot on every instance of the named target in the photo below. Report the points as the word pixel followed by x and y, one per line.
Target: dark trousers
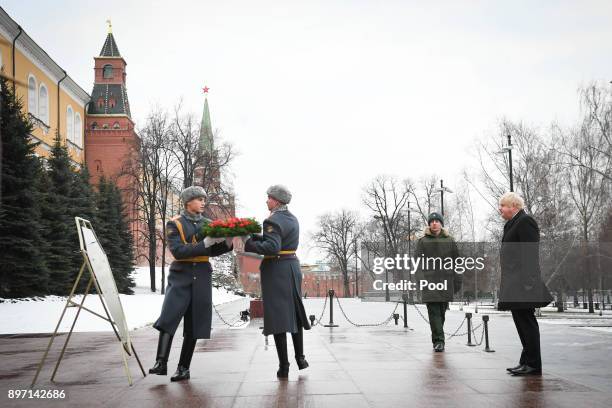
pixel 188 341
pixel 280 340
pixel 529 333
pixel 436 312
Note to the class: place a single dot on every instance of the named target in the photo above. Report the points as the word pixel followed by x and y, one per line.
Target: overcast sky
pixel 324 95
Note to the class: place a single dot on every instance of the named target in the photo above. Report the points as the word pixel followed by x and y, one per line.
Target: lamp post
pixel 441 190
pixel 409 210
pixel 508 149
pixel 387 297
pixel 356 276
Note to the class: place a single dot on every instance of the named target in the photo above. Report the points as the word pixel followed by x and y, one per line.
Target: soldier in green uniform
pixel 189 292
pixel 437 243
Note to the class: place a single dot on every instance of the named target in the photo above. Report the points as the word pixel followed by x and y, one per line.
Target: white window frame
pixel 70 123
pixel 33 93
pixel 44 118
pixel 78 129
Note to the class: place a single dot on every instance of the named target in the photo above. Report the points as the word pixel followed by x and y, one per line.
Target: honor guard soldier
pixel 281 278
pixel 189 292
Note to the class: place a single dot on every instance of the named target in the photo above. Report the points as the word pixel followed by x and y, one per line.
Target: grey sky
pixel 324 95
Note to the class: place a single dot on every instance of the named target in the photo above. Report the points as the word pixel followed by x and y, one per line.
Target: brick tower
pixel 110 138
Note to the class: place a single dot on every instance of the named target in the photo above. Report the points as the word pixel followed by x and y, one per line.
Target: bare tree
pixel 146 171
pixel 589 192
pixel 338 235
pixel 168 192
pixel 596 103
pixel 202 163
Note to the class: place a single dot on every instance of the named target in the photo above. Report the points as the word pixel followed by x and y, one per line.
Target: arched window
pixel 111 102
pixel 107 71
pixel 43 104
pixel 105 126
pixel 94 125
pixel 70 124
pixel 78 132
pixel 116 125
pixel 100 102
pixel 32 96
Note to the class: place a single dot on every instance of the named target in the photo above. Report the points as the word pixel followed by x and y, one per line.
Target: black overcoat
pixel 521 285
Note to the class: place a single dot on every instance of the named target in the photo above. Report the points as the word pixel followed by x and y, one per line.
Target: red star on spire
pixel 205 89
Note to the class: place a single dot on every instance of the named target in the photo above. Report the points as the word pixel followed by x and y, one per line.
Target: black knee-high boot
pixel 182 371
pixel 163 351
pixel 298 347
pixel 280 340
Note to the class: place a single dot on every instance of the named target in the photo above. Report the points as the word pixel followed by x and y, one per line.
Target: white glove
pixel 209 241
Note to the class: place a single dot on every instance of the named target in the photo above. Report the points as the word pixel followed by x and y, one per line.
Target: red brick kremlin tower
pixel 110 138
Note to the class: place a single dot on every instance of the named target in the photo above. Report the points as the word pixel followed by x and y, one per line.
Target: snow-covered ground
pixel 41 315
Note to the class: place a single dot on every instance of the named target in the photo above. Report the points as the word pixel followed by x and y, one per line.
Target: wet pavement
pixel 385 366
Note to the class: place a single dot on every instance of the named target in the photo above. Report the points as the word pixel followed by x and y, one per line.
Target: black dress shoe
pixel 302 363
pixel 511 369
pixel 283 371
pixel 439 347
pixel 526 370
pixel 182 373
pixel 160 368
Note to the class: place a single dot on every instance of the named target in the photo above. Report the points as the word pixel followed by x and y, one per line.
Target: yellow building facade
pixel 53 101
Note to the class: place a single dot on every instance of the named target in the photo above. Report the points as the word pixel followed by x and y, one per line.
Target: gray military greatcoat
pixel 281 278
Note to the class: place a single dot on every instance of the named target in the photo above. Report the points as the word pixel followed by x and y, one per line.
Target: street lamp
pixel 441 190
pixel 410 210
pixel 356 291
pixel 387 297
pixel 508 149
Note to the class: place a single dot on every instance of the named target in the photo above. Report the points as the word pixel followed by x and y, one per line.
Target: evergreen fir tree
pixel 22 269
pixel 113 232
pixel 61 228
pixel 83 204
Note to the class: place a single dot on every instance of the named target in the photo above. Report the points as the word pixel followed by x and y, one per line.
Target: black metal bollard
pixel 331 309
pixel 312 319
pixel 485 321
pixel 396 317
pixel 405 301
pixel 468 316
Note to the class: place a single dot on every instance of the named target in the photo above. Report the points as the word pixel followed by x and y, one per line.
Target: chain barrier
pixel 239 322
pixel 478 343
pixel 384 322
pixel 456 333
pixel 317 322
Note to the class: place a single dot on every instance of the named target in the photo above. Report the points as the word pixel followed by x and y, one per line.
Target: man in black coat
pixel 521 288
pixel 281 278
pixel 189 292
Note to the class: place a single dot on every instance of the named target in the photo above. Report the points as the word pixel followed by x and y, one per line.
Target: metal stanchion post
pixel 405 300
pixel 396 317
pixel 468 316
pixel 485 321
pixel 331 309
